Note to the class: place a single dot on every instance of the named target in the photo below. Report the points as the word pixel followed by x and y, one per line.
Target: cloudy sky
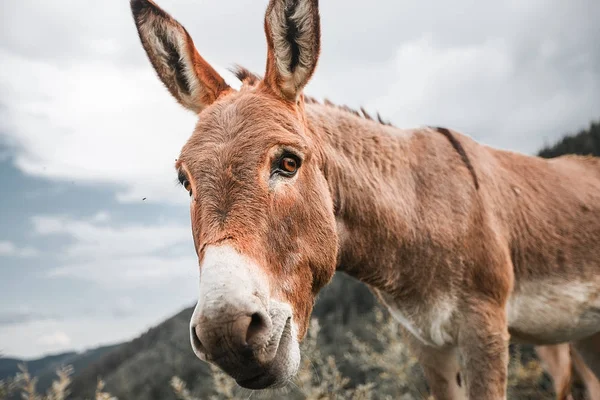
pixel 87 132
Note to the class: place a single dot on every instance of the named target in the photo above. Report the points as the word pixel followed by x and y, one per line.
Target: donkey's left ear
pixel 294 41
pixel 189 78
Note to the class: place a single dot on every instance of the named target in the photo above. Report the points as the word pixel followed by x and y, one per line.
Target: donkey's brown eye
pixel 289 164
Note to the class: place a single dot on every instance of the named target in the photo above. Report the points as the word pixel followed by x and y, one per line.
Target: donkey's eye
pixel 288 165
pixel 184 181
pixel 187 185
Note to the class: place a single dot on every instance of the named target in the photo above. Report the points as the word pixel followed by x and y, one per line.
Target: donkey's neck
pixel 370 170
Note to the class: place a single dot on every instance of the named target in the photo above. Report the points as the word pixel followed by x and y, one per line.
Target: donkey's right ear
pixel 189 78
pixel 293 29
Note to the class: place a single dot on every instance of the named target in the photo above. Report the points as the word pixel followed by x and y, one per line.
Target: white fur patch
pixel 554 312
pixel 430 325
pixel 229 280
pixel 440 322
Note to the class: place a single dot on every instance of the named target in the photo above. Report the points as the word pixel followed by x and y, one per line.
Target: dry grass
pixel 25 385
pixel 389 369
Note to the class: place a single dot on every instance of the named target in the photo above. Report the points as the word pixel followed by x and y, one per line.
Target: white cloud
pixel 93 110
pixel 92 123
pixel 101 216
pixel 33 338
pixel 93 239
pixel 55 339
pixel 482 91
pixel 9 249
pixel 125 307
pixel 6 248
pixel 22 314
pixel 138 274
pixel 130 271
pixel 95 122
pixel 4 155
pixel 27 252
pixel 124 256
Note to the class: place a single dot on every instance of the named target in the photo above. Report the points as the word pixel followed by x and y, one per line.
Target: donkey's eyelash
pixel 288 152
pixel 181 177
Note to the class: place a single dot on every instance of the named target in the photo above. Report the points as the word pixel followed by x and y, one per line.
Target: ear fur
pixel 293 35
pixel 189 78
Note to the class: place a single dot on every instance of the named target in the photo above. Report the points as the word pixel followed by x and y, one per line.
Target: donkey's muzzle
pixel 253 347
pixel 237 326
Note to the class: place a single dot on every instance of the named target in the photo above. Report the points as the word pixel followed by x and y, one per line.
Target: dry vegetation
pixel 24 384
pixel 388 368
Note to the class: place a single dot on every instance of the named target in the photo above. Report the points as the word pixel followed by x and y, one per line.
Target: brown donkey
pixel 467 245
pixel 560 360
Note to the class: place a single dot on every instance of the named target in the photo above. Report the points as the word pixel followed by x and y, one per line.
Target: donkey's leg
pixel 591 382
pixel 440 367
pixel 589 349
pixel 556 359
pixel 483 346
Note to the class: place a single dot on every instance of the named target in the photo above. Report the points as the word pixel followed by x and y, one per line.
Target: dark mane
pixel 249 78
pixel 461 152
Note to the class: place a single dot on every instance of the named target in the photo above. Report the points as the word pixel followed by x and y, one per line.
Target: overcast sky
pixel 87 132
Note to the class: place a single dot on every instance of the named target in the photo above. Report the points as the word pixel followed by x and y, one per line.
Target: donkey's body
pixel 435 241
pixel 463 243
pixel 417 226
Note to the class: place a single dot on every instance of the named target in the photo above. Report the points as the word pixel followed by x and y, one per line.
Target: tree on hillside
pixel 586 142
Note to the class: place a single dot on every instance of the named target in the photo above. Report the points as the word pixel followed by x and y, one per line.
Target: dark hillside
pixel 10 366
pixel 585 142
pixel 45 368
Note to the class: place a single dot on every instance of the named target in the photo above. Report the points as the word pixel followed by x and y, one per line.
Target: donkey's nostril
pixel 243 334
pixel 258 326
pixel 196 343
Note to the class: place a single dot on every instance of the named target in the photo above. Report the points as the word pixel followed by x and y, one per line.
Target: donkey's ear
pixel 189 78
pixel 294 42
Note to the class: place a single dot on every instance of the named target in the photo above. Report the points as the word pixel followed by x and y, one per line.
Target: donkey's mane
pixel 250 79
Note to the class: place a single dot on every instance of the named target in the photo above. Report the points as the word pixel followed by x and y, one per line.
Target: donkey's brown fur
pixel 561 361
pixel 466 245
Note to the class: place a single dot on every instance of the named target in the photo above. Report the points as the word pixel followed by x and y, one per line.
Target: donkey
pixel 466 245
pixel 560 360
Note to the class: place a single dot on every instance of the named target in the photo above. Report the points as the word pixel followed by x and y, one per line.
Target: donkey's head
pixel 261 210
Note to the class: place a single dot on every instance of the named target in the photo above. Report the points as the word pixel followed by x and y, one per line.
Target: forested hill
pixel 585 142
pixel 45 368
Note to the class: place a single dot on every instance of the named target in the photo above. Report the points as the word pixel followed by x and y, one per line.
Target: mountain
pixel 45 368
pixel 142 368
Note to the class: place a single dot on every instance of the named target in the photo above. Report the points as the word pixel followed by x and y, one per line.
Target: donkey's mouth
pixel 282 367
pixel 261 381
